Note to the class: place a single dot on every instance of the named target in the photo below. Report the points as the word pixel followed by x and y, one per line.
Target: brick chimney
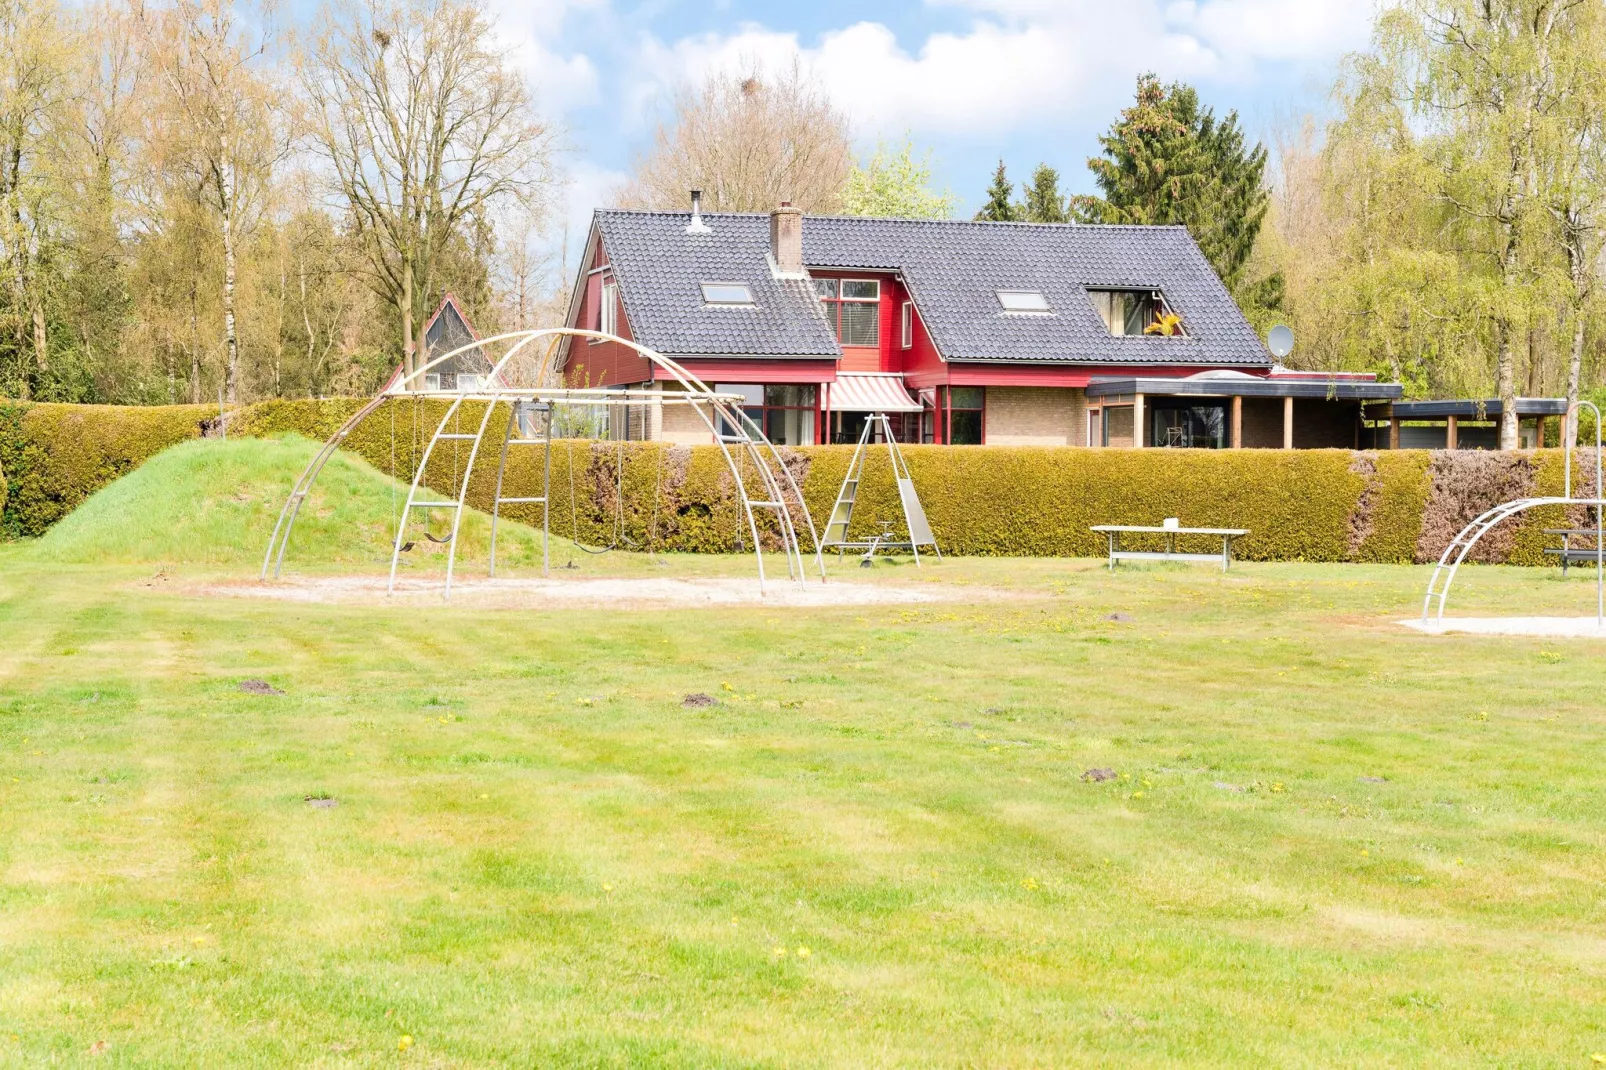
pixel 786 238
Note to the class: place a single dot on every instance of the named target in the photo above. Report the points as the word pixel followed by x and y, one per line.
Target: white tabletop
pixel 1173 531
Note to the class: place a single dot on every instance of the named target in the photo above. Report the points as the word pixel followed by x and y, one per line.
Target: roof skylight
pixel 727 294
pixel 1023 300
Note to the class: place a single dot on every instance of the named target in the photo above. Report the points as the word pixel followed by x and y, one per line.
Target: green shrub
pixel 1313 505
pixel 55 456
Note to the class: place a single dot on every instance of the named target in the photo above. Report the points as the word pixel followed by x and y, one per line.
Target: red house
pixel 966 332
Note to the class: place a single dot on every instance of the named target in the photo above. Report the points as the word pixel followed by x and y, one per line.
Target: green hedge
pixel 55 456
pixel 1313 505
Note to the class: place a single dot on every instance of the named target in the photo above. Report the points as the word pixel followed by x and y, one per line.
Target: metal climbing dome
pixel 1454 554
pixel 518 381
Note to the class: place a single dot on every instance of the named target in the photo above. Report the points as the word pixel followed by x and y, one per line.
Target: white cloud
pixel 586 187
pixel 1275 29
pixel 527 28
pixel 1021 63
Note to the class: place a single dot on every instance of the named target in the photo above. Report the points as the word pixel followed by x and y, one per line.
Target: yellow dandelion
pixel 607 887
pixel 780 952
pixel 1365 853
pixel 803 952
pixel 726 685
pixel 404 1043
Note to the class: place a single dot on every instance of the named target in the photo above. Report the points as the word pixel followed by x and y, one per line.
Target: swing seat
pixel 438 542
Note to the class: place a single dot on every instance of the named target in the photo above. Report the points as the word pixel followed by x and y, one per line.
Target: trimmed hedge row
pixel 1312 505
pixel 55 456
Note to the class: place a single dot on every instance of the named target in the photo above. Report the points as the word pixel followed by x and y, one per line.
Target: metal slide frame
pixel 915 523
pixel 1450 561
pixel 736 434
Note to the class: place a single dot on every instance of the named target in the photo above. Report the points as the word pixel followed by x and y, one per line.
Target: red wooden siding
pixel 602 363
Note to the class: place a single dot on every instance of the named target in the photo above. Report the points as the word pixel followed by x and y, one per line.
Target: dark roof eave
pixel 1475 409
pixel 1325 389
pixel 1209 360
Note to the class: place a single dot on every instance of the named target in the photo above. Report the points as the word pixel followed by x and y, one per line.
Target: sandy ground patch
pixel 1559 627
pixel 647 592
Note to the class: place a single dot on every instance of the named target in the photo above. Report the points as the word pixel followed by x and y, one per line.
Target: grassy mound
pixel 215 502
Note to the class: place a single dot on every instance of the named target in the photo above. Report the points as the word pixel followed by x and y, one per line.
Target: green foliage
pixel 1311 505
pixel 1043 202
pixel 1168 160
pixel 215 502
pixel 1000 206
pixel 1387 524
pixel 55 456
pixel 894 183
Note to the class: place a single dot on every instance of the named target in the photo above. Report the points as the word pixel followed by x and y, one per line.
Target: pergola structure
pixel 518 380
pixel 1467 423
pixel 1236 410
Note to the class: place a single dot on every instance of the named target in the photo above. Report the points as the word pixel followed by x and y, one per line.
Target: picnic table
pixel 1170 553
pixel 1569 554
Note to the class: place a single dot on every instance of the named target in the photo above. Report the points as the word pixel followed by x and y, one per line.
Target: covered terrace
pixel 1234 410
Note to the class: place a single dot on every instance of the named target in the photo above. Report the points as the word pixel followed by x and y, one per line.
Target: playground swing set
pixel 516 381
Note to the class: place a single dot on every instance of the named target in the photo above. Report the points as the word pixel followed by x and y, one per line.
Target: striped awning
pixel 870 392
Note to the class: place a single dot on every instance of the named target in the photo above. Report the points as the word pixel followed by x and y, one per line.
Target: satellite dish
pixel 1280 341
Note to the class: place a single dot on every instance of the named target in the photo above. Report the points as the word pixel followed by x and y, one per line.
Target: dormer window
pixel 1023 301
pixel 1129 313
pixel 727 295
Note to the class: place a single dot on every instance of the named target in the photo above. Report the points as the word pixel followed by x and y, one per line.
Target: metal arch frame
pixel 727 423
pixel 1468 537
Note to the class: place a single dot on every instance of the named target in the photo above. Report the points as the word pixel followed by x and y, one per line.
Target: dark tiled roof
pixel 952 268
pixel 660 267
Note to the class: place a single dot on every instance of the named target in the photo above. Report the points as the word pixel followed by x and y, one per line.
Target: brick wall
pixel 1263 423
pixel 1036 416
pixel 679 425
pixel 1318 424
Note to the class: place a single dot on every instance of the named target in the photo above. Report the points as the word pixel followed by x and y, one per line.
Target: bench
pixel 1569 554
pixel 1170 553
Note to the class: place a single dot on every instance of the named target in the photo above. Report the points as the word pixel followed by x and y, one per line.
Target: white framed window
pixel 432 380
pixel 727 295
pixel 1022 300
pixel 853 308
pixel 906 328
pixel 470 382
pixel 608 320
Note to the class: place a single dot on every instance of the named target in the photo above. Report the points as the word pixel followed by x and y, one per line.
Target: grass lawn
pixel 1329 841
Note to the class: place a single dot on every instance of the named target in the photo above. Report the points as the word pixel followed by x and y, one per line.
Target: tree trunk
pixel 195 350
pixel 231 342
pixel 1569 424
pixel 1505 370
pixel 409 354
pixel 314 372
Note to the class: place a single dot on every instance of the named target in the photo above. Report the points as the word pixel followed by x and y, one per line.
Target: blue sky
pixel 972 80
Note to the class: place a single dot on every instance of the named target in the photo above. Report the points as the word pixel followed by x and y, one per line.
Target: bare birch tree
pixel 748 141
pixel 34 67
pixel 214 126
pixel 423 126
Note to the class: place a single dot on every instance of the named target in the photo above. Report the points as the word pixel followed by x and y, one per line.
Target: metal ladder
pixel 914 514
pixel 457 506
pixel 498 501
pixel 774 498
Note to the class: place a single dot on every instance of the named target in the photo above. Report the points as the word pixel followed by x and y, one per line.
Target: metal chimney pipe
pixel 697 226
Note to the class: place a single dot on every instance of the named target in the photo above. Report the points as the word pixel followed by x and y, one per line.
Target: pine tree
pixel 999 207
pixel 1043 203
pixel 1168 160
